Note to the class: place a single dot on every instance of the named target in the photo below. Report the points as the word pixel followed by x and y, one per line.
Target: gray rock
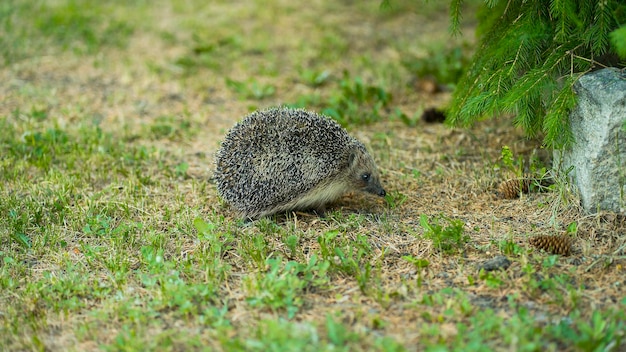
pixel 495 263
pixel 598 156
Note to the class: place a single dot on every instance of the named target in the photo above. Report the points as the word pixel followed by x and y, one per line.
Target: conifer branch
pixel 455 16
pixel 529 57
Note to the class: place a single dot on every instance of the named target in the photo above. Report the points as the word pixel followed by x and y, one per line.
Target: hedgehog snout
pixel 376 189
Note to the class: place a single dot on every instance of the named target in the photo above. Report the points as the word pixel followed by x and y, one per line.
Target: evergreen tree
pixel 530 54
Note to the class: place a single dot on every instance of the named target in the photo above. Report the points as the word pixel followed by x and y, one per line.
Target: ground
pixel 112 236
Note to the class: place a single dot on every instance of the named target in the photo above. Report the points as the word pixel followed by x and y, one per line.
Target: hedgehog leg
pixel 320 211
pixel 247 220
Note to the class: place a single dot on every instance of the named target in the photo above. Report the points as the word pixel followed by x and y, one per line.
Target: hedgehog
pixel 282 159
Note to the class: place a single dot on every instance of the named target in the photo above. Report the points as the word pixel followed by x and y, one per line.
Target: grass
pixel 448 239
pixel 112 236
pixel 30 29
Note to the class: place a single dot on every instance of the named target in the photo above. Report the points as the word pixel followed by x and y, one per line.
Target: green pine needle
pixel 528 59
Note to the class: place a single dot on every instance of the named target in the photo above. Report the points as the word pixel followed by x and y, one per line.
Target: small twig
pixel 592 61
pixel 506 8
pixel 604 258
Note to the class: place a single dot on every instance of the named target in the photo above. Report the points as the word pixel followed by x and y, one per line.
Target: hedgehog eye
pixel 365 177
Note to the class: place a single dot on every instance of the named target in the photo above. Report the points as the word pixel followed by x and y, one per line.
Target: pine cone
pixel 561 244
pixel 510 189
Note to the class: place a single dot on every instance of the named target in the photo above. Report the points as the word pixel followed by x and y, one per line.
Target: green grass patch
pixel 352 102
pixel 447 239
pixel 30 27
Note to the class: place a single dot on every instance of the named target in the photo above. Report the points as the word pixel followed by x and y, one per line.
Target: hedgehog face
pixel 364 173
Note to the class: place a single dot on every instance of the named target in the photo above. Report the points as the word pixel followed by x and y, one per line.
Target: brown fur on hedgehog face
pixel 362 172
